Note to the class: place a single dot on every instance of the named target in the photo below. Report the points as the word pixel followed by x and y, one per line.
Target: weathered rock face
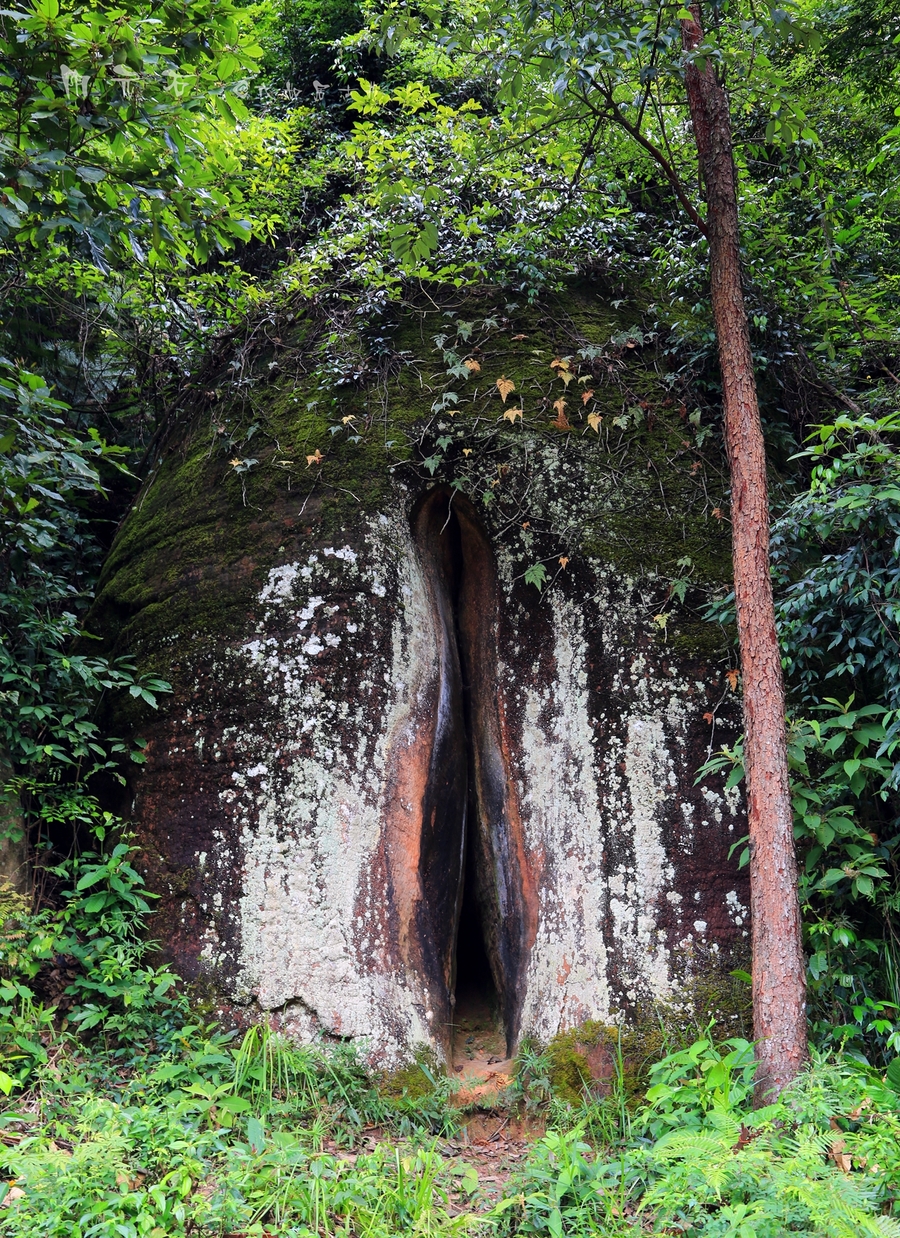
pixel 392 768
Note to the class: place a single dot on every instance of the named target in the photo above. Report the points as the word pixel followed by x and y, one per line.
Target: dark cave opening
pixel 471 908
pixel 475 1000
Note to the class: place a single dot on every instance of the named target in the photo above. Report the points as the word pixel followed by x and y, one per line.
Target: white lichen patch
pixel 308 949
pixel 637 913
pixel 566 979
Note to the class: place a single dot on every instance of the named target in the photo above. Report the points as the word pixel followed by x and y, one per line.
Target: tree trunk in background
pixel 779 989
pixel 13 844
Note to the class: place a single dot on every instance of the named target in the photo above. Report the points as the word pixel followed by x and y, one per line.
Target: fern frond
pixel 692 1144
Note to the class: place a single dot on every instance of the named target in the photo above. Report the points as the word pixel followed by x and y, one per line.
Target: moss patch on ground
pixel 590 1060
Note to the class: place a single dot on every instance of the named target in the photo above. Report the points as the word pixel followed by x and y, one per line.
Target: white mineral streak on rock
pixel 639 941
pixel 566 980
pixel 306 948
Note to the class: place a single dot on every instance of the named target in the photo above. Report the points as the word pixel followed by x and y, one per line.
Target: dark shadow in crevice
pixel 476 917
pixel 476 1002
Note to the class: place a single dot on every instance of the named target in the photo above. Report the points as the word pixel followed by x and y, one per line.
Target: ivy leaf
pixel 594 420
pixel 505 386
pixel 562 421
pixel 511 414
pixel 536 575
pixel 587 395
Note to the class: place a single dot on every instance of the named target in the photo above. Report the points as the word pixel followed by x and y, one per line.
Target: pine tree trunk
pixel 779 1005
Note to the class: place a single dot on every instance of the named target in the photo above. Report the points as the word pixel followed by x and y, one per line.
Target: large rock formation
pixel 393 769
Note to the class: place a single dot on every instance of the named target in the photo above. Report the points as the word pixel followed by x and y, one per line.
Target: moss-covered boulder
pixel 431 606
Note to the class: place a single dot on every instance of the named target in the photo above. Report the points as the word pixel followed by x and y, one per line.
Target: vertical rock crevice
pixel 476 917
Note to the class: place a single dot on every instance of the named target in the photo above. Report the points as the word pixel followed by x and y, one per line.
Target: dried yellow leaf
pixel 472 366
pixel 315 458
pixel 594 420
pixel 512 413
pixel 564 560
pixel 587 395
pixel 505 386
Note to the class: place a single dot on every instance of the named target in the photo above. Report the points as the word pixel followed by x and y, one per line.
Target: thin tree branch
pixel 653 150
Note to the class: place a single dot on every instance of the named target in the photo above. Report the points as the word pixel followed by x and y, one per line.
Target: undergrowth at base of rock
pixel 226 1137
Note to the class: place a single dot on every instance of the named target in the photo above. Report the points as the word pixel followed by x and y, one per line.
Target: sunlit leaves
pixel 117 143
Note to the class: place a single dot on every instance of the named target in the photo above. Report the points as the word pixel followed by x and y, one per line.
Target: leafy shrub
pixel 823 1160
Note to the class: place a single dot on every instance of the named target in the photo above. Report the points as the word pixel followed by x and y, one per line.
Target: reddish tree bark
pixel 779 985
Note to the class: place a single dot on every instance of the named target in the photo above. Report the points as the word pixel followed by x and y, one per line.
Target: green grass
pixel 214 1137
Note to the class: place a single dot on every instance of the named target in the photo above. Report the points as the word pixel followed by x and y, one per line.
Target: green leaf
pixel 256 1135
pixel 536 575
pixel 233 1104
